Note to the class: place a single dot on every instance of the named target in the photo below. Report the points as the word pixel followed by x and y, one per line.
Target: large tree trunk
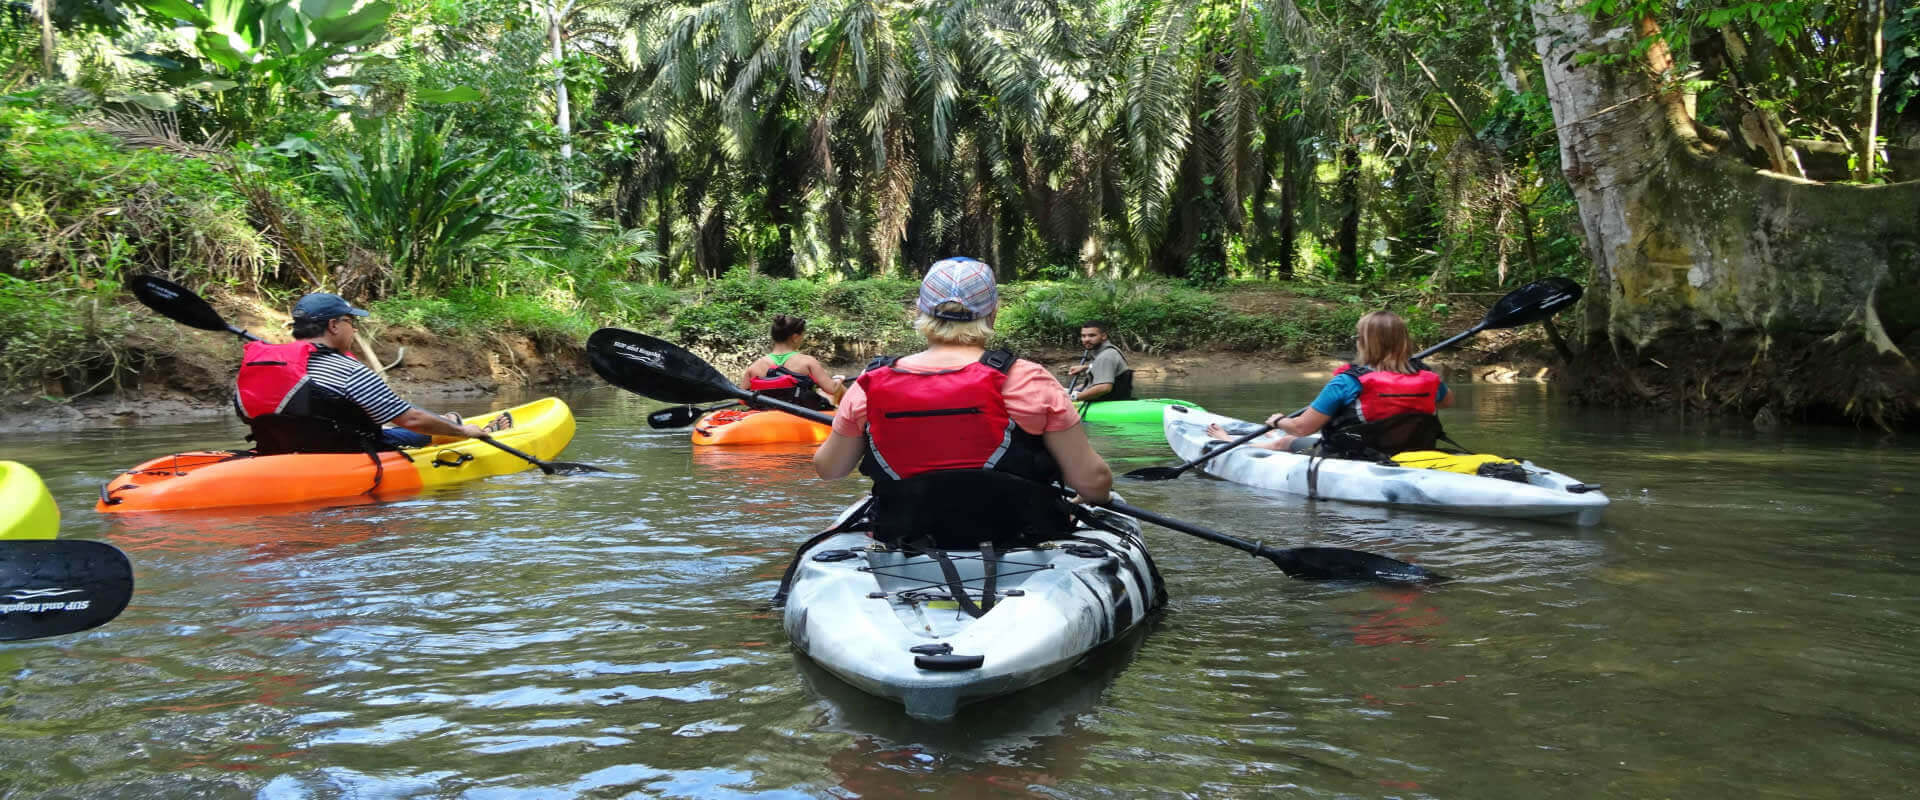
pixel 1291 182
pixel 1347 239
pixel 563 114
pixel 1717 286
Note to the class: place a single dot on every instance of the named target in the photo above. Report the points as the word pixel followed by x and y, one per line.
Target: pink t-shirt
pixel 1035 399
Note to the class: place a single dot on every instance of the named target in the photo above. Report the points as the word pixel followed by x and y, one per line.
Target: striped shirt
pixel 345 374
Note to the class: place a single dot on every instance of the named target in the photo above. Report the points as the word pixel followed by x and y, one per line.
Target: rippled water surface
pixel 1744 623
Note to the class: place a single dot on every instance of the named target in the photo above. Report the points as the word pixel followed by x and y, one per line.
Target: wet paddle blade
pixel 675 417
pixel 1531 303
pixel 55 586
pixel 1335 563
pixel 573 468
pixel 653 368
pixel 176 303
pixel 1155 473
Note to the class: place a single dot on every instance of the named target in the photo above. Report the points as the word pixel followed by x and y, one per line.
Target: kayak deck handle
pixel 1583 488
pixel 948 663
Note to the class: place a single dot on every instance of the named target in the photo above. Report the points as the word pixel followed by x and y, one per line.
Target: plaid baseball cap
pixel 962 280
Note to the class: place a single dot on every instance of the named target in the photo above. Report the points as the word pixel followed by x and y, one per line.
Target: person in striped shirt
pixel 327 320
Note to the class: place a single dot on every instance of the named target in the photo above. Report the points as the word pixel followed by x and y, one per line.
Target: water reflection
pixel 1740 623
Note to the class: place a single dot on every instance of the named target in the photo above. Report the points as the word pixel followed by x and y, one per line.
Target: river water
pixel 1743 624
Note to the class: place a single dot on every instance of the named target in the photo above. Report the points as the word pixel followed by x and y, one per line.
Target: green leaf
pixel 367 23
pixel 457 94
pixel 177 9
pixel 225 48
pixel 224 14
pixel 214 85
pixel 151 101
pixel 162 62
pixel 325 9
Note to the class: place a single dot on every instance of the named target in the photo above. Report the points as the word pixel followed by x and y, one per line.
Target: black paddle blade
pixel 1155 473
pixel 1335 563
pixel 50 587
pixel 675 417
pixel 176 302
pixel 661 370
pixel 1533 302
pixel 573 468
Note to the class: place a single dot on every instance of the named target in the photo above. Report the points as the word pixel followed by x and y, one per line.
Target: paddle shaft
pixel 1214 536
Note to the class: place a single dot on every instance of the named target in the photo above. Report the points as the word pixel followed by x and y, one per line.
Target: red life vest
pixel 921 422
pixel 288 412
pixel 1384 394
pixel 781 384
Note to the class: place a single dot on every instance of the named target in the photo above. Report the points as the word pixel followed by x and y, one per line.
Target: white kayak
pixel 884 620
pixel 1547 495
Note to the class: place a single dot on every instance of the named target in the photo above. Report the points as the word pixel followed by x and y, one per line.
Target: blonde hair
pixel 974 332
pixel 1384 343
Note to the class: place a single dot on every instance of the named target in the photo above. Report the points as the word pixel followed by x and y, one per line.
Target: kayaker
pixel 790 375
pixel 312 395
pixel 1108 376
pixel 957 405
pixel 1380 383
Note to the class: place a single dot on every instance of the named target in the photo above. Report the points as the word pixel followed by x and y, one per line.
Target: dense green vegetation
pixel 686 166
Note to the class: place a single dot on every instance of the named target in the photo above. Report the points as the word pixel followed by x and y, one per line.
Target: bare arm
pixel 1085 471
pixel 1445 402
pixel 837 456
pixel 421 421
pixel 818 373
pixel 1309 422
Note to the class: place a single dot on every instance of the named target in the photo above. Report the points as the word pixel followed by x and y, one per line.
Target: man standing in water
pixel 1109 377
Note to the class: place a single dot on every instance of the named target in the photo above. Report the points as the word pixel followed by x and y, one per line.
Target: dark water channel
pixel 1745 623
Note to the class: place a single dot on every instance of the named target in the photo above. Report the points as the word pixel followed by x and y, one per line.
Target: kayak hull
pixel 857 609
pixel 1547 495
pixel 1148 411
pixel 736 426
pixel 26 507
pixel 219 478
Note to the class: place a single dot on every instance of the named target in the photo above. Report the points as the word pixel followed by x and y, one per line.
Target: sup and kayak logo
pixel 33 601
pixel 641 354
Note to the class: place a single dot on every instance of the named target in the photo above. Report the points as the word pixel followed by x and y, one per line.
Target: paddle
pixel 51 586
pixel 682 416
pixel 1528 304
pixel 181 305
pixel 663 371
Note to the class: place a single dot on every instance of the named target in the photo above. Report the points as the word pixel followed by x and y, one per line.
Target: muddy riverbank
pixel 175 376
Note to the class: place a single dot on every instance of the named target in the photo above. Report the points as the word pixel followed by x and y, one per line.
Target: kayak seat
pixel 1380 440
pixel 960 509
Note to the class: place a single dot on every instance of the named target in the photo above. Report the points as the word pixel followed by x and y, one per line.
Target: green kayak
pixel 1130 412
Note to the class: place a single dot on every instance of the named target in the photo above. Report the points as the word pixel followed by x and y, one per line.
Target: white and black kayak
pixel 886 619
pixel 1546 495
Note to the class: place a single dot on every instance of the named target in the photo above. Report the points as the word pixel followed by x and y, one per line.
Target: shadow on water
pixel 1017 744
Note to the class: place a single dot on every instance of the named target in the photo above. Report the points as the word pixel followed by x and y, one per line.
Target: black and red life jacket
pixel 1384 394
pixel 288 412
pixel 1394 413
pixel 956 419
pixel 782 384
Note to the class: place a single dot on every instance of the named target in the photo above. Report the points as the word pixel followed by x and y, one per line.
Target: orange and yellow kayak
pixel 750 426
pixel 218 478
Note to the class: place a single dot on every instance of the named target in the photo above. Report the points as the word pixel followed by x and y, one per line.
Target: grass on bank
pixel 86 209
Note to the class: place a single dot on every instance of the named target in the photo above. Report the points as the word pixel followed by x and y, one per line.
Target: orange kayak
pixel 749 426
pixel 219 478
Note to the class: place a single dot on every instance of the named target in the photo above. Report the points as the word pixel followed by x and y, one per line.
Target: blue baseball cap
pixel 320 307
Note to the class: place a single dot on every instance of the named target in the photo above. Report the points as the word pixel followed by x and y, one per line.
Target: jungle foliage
pixel 550 162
